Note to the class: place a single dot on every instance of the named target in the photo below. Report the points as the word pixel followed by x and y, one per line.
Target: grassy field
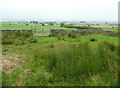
pixel 86 60
pixel 39 27
pixel 112 29
pixel 34 26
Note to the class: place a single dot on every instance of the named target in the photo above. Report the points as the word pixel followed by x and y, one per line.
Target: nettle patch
pixel 16 37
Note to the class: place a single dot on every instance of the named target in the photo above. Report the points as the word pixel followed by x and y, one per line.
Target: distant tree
pixel 89 25
pixel 106 23
pixel 62 24
pixel 82 22
pixel 51 23
pixel 27 23
pixel 71 24
pixel 43 24
pixel 34 22
pixel 111 24
pixel 98 24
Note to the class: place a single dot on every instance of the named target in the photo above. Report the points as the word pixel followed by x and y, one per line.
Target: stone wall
pixel 58 32
pixel 63 32
pixel 21 31
pixel 82 31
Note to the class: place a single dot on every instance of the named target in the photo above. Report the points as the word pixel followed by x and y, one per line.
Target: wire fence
pixel 41 32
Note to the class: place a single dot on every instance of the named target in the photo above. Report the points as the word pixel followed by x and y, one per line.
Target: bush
pixel 62 24
pixel 32 40
pixel 60 37
pixel 108 46
pixel 51 46
pixel 72 35
pixel 16 37
pixel 93 39
pixel 85 32
pixel 7 41
pixel 26 34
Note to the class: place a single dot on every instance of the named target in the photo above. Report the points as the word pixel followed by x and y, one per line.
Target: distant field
pixel 104 27
pixel 38 27
pixel 113 29
pixel 34 26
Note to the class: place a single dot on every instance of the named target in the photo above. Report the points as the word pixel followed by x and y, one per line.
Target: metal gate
pixel 41 32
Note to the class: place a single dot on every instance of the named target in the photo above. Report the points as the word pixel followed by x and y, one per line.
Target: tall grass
pixel 72 61
pixel 57 62
pixel 17 38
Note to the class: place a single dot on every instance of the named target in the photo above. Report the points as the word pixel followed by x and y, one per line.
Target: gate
pixel 41 32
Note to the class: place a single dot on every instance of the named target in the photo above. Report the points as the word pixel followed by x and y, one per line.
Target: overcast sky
pixel 59 10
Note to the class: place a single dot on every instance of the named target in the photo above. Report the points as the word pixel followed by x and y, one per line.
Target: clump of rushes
pixel 32 40
pixel 17 38
pixel 93 39
pixel 72 35
pixel 72 61
pixel 51 46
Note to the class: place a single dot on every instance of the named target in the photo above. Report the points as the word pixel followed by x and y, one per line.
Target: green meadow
pixel 83 60
pixel 39 27
pixel 34 26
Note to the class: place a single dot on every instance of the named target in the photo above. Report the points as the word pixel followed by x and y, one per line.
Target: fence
pixel 41 32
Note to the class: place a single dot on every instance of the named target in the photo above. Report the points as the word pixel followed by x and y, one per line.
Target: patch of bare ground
pixel 0 62
pixel 0 70
pixel 10 63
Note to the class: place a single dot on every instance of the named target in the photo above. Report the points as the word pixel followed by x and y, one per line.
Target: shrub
pixel 26 34
pixel 60 37
pixel 108 46
pixel 7 41
pixel 16 37
pixel 51 46
pixel 86 32
pixel 32 40
pixel 72 35
pixel 62 24
pixel 93 39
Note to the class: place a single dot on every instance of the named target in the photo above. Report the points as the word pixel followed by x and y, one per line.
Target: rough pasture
pixel 83 57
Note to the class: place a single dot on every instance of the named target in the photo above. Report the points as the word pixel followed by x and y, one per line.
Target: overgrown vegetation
pixel 63 61
pixel 62 24
pixel 17 37
pixel 72 35
pixel 70 62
